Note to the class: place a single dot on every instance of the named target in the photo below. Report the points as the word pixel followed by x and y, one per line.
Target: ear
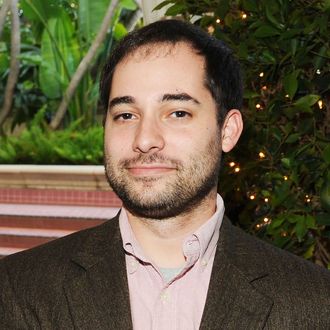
pixel 231 129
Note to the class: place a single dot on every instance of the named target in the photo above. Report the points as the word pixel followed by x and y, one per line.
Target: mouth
pixel 150 170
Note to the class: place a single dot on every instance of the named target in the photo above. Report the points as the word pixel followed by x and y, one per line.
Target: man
pixel 169 260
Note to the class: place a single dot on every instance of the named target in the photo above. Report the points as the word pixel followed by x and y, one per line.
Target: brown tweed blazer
pixel 79 282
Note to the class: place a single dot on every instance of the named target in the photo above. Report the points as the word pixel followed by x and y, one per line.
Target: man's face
pixel 162 140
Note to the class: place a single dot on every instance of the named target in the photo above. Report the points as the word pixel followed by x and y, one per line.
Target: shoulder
pixel 256 256
pixel 292 283
pixel 32 283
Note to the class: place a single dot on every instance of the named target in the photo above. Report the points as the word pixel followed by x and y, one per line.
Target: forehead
pixel 162 64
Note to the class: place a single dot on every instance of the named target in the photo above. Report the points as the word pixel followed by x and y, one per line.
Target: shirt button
pixel 164 296
pixel 204 262
pixel 132 266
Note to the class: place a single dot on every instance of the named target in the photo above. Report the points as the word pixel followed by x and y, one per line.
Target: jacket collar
pixel 234 300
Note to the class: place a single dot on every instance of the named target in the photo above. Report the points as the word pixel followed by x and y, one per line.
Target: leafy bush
pixel 276 183
pixel 39 145
pixel 55 36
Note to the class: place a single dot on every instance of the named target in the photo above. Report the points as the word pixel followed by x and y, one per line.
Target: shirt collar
pixel 198 245
pixel 208 234
pixel 130 244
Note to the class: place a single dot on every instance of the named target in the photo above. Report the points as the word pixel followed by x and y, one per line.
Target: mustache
pixel 150 159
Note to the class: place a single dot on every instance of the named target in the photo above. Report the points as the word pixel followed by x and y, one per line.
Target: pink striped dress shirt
pixel 178 303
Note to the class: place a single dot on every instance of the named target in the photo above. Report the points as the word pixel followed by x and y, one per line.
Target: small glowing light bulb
pixel 262 155
pixel 266 220
pixel 210 29
pixel 232 164
pixel 258 106
pixel 237 169
pixel 266 200
pixel 244 16
pixel 320 104
pixel 285 178
pixel 264 88
pixel 218 20
pixel 261 74
pixel 252 197
pixel 318 71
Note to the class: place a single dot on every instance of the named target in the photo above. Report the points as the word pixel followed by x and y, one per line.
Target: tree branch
pixel 83 66
pixel 3 15
pixel 14 63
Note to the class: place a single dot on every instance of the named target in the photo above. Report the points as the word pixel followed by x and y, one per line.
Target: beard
pixel 169 195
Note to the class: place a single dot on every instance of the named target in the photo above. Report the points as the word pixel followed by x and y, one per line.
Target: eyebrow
pixel 121 100
pixel 166 97
pixel 179 97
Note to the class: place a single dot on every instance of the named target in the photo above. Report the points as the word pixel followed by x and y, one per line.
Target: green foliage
pixel 56 35
pixel 276 183
pixel 38 145
pixel 90 14
pixel 59 55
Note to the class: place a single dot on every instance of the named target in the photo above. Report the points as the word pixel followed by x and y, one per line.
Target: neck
pixel 161 240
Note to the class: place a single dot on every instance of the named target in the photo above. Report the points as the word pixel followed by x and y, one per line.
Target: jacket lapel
pixel 96 286
pixel 233 300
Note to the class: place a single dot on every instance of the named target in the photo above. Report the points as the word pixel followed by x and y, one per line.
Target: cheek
pixel 108 140
pixel 177 140
pixel 117 144
pixel 191 140
pixel 110 143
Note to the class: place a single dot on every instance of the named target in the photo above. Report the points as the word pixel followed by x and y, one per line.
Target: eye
pixel 124 116
pixel 180 114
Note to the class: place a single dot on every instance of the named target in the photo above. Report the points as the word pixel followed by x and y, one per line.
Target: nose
pixel 148 137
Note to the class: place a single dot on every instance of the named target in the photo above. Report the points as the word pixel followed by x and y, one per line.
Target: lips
pixel 150 170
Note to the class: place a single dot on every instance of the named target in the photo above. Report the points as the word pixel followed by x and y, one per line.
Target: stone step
pixel 40 203
pixel 50 223
pixel 58 196
pixel 23 226
pixel 22 242
pixel 64 211
pixel 5 251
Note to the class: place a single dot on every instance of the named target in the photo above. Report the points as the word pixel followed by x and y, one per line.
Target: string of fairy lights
pixel 266 220
pixel 243 15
